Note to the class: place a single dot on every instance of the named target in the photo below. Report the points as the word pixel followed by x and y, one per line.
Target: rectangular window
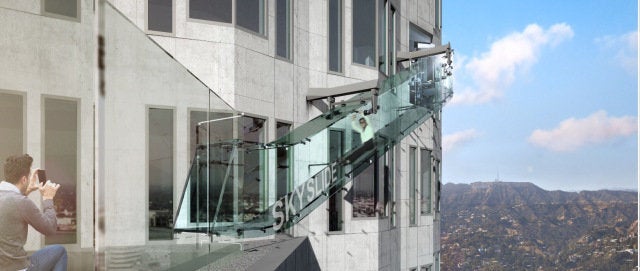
pixel 160 15
pixel 412 185
pixel 382 37
pixel 211 10
pixel 160 163
pixel 252 186
pixel 418 38
pixel 438 8
pixel 335 35
pixel 391 40
pixel 283 28
pixel 61 164
pixel 219 128
pixel 364 32
pixel 364 189
pixel 283 157
pixel 64 8
pixel 11 127
pixel 250 14
pixel 392 189
pixel 425 179
pixel 382 185
pixel 336 149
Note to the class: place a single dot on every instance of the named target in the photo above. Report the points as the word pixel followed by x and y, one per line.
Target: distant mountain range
pixel 519 226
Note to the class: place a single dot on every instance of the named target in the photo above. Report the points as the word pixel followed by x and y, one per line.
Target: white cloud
pixel 623 48
pixel 572 133
pixel 454 140
pixel 494 71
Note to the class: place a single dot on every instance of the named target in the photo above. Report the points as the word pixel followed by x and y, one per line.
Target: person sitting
pixel 17 211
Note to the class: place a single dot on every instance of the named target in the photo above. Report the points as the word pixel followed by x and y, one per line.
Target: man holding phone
pixel 17 212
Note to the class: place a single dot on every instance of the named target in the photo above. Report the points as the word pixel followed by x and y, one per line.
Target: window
pixel 252 186
pixel 69 9
pixel 382 36
pixel 61 164
pixel 160 15
pixel 425 179
pixel 391 161
pixel 335 35
pixel 219 128
pixel 418 38
pixel 12 116
pixel 391 32
pixel 364 32
pixel 438 14
pixel 412 186
pixel 160 166
pixel 336 149
pixel 382 185
pixel 283 159
pixel 211 10
pixel 364 189
pixel 283 28
pixel 436 173
pixel 250 14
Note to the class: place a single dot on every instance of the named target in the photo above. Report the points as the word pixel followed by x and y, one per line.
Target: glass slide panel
pixel 67 8
pixel 61 164
pixel 160 15
pixel 11 127
pixel 425 179
pixel 211 10
pixel 364 32
pixel 335 35
pixel 160 173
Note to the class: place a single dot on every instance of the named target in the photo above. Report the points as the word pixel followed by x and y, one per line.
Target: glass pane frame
pixel 369 58
pixel 426 181
pixel 12 127
pixel 218 17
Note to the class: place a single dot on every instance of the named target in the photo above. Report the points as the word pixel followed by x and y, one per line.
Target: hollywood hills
pixel 519 226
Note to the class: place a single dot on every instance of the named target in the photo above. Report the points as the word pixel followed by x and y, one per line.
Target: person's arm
pixel 355 124
pixel 45 222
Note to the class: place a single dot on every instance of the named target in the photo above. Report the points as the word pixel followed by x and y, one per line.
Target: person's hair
pixel 362 119
pixel 17 166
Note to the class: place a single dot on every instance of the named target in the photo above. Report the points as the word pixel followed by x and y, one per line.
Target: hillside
pixel 519 226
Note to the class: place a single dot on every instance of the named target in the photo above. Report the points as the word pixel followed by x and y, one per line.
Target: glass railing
pixel 241 208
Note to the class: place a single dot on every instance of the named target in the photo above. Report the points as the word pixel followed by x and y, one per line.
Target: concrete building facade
pixel 167 62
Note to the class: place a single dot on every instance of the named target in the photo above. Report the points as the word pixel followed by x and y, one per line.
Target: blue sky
pixel 545 92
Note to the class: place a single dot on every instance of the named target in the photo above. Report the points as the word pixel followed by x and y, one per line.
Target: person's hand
pixel 49 189
pixel 33 184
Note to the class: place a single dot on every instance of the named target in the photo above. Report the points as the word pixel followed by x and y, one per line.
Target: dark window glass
pixel 61 164
pixel 391 40
pixel 283 28
pixel 412 186
pixel 382 37
pixel 418 38
pixel 160 173
pixel 283 172
pixel 425 179
pixel 160 15
pixel 11 127
pixel 382 186
pixel 364 32
pixel 67 8
pixel 335 35
pixel 336 148
pixel 250 15
pixel 211 10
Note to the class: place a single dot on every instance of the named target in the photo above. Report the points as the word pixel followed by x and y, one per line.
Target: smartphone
pixel 42 176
